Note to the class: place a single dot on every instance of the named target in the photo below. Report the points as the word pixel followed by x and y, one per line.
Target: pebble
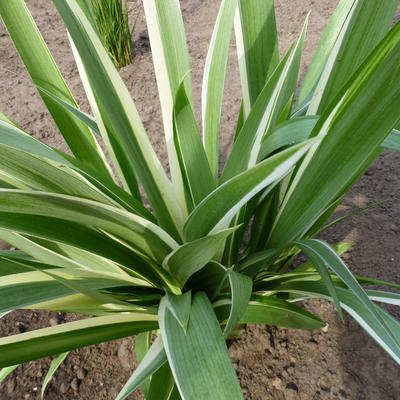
pixel 53 322
pixel 324 385
pixel 113 393
pixel 394 228
pixel 80 373
pixel 75 384
pixel 291 394
pixel 277 383
pixel 63 388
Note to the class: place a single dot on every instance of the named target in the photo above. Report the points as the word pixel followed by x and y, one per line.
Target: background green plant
pixel 110 19
pixel 183 268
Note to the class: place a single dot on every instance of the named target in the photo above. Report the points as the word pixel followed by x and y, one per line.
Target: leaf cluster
pixel 182 262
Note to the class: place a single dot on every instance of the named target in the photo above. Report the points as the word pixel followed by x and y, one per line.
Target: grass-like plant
pixel 215 249
pixel 110 19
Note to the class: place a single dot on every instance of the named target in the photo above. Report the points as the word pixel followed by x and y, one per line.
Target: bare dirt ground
pixel 342 363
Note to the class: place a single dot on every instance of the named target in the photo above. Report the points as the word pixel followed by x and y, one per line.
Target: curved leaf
pixel 351 132
pixel 142 234
pixel 44 72
pixel 150 363
pixel 119 114
pixel 271 311
pixel 52 370
pixel 44 342
pixel 220 206
pixel 192 256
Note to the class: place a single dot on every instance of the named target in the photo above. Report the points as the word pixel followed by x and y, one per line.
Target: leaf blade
pixel 48 341
pixel 209 355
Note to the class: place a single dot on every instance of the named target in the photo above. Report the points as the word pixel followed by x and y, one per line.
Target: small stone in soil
pixel 80 373
pixel 277 384
pixel 75 384
pixel 63 388
pixel 291 394
pixel 113 393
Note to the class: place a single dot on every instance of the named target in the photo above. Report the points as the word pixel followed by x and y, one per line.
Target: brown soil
pixel 342 363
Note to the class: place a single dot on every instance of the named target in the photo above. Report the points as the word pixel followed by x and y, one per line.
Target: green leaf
pixel 252 264
pixel 214 81
pixel 219 207
pixel 288 133
pixel 202 346
pixel 171 66
pixel 117 153
pixel 162 384
pixel 271 311
pixel 4 372
pixel 344 217
pixel 210 279
pixel 350 133
pixel 257 47
pixel 142 346
pixel 26 171
pixel 328 256
pixel 365 26
pixel 88 120
pixel 392 141
pixel 189 258
pixel 272 105
pixel 13 136
pixel 180 306
pixel 119 114
pixel 194 167
pixel 241 287
pixel 264 216
pixel 355 307
pixel 44 72
pixel 150 363
pixel 298 129
pixel 366 280
pixel 44 342
pixel 23 289
pixel 74 275
pixel 116 193
pixel 142 234
pixel 175 394
pixel 384 297
pixel 107 251
pixel 53 368
pixel 340 248
pixel 321 265
pixel 265 112
pixel 325 46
